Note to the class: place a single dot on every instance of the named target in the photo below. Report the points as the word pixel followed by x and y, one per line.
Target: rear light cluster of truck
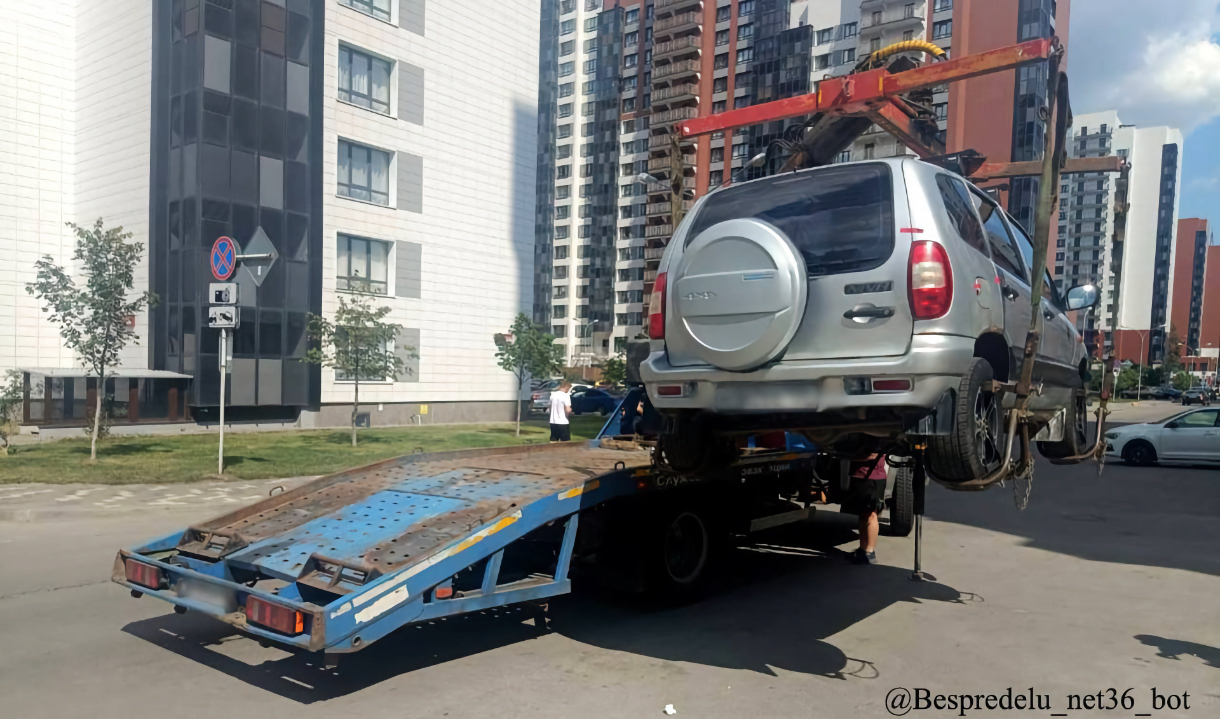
pixel 143 574
pixel 275 617
pixel 931 280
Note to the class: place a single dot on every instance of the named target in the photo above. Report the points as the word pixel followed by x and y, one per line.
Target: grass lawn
pixel 255 455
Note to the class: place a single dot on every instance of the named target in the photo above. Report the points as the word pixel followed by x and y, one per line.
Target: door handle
pixel 869 311
pixel 1048 315
pixel 1009 293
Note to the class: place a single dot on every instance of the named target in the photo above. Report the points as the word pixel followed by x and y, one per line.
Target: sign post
pixel 224 367
pixel 223 315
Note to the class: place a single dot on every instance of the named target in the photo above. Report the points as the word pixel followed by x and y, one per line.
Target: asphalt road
pixel 1110 582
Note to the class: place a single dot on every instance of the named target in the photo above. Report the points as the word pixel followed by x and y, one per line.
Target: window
pixel 628 127
pixel 586 129
pixel 563 212
pixel 364 80
pixel 565 131
pixel 567 27
pixel 633 15
pixel 627 191
pixel 628 60
pixel 1003 248
pixel 590 45
pixel 563 172
pixel 591 24
pixel 908 35
pixel 821 62
pixel 745 32
pixel 364 173
pixel 561 252
pixel 566 68
pixel 560 312
pixel 722 37
pixel 942 29
pixel 740 102
pixel 961 212
pixel 844 156
pixel 631 39
pixel 745 54
pixel 590 66
pixel 942 110
pixel 825 36
pixel 740 150
pixel 719 106
pixel 717 154
pixel 586 88
pixel 876 16
pixel 849 55
pixel 870 151
pixel 629 104
pixel 743 79
pixel 565 110
pixel 942 5
pixel 379 9
pixel 567 6
pixel 563 232
pixel 850 29
pixel 566 89
pixel 629 83
pixel 563 192
pixel 720 84
pixel 874 45
pixel 1205 418
pixel 723 14
pixel 362 264
pixel 716 177
pixel 561 272
pixel 908 11
pixel 567 48
pixel 721 61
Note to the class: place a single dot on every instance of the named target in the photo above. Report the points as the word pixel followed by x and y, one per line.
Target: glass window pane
pixel 377 261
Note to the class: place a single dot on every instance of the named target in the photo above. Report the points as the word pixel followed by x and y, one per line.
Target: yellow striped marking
pixel 577 491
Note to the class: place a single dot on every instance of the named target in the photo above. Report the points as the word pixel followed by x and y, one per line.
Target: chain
pixel 1022 485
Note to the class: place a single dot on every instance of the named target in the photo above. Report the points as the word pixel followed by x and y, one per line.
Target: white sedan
pixel 1192 436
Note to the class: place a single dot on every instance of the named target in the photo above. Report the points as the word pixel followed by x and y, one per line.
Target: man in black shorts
pixel 866 500
pixel 561 409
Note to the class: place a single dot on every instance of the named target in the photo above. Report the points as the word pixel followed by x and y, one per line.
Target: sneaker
pixel 862 557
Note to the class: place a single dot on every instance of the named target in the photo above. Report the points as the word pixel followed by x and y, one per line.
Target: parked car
pixel 591 400
pixel 540 396
pixel 1192 436
pixel 1196 395
pixel 853 301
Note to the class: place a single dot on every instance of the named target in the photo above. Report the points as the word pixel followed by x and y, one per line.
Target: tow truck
pixel 338 563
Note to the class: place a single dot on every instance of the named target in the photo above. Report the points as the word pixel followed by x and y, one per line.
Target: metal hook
pixel 272 492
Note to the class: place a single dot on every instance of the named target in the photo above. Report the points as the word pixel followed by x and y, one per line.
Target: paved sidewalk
pixel 36 502
pixel 1146 410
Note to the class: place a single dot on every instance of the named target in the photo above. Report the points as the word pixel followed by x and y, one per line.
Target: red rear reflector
pixel 931 284
pixel 145 575
pixel 912 230
pixel 656 308
pixel 444 592
pixel 670 390
pixel 274 616
pixel 891 385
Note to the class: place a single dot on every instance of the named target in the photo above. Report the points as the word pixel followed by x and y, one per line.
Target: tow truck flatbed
pixel 350 557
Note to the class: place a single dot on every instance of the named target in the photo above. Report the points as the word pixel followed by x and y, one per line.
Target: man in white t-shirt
pixel 561 408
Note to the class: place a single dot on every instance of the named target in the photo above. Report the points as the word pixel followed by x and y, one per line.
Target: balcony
pixel 900 18
pixel 676 24
pixel 658 230
pixel 650 275
pixel 664 164
pixel 665 142
pixel 675 70
pixel 675 115
pixel 675 93
pixel 687 45
pixel 654 253
pixel 671 6
pixel 663 208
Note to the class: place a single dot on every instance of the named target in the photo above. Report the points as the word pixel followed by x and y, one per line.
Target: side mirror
pixel 1172 425
pixel 1082 297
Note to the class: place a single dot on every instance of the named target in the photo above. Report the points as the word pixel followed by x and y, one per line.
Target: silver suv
pixel 859 303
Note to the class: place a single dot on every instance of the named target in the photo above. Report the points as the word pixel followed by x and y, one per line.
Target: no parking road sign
pixel 223 260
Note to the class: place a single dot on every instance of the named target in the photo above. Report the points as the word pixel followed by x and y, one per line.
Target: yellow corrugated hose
pixel 905 46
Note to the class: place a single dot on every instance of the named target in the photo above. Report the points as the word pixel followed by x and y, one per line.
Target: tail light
pixel 143 574
pixel 656 305
pixel 931 280
pixel 274 616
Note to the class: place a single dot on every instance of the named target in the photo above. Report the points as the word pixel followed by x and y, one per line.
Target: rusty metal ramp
pixel 343 531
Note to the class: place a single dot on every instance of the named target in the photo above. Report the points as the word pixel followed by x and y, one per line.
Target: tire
pixel 678 552
pixel 1139 453
pixel 976 446
pixel 1075 433
pixel 902 502
pixel 692 449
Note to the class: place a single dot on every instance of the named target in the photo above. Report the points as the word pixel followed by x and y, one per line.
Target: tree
pixel 359 345
pixel 527 351
pixel 1127 379
pixel 12 394
pixel 1183 381
pixel 93 318
pixel 1173 351
pixel 614 369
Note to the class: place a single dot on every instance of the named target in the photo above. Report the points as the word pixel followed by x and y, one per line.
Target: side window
pixel 1003 248
pixel 1051 293
pixel 1206 418
pixel 1026 245
pixel 961 214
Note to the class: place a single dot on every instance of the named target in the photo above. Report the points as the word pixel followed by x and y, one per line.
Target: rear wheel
pixel 690 448
pixel 1075 433
pixel 678 552
pixel 902 502
pixel 976 446
pixel 1139 453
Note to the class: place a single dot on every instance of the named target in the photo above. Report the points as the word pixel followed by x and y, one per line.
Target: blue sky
pixel 1157 62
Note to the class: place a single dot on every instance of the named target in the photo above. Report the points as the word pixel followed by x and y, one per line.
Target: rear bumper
pixel 934 364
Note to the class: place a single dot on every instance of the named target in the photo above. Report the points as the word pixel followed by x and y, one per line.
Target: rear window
pixel 841 219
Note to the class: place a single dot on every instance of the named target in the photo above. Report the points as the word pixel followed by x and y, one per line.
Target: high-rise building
pixel 1196 297
pixel 680 59
pixel 355 135
pixel 1135 279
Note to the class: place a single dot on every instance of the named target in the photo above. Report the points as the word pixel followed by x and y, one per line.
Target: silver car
pixel 859 303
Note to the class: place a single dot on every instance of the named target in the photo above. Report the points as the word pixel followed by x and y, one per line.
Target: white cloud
pixel 1156 63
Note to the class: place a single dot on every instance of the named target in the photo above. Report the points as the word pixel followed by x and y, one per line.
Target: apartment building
pixel 679 59
pixel 1196 297
pixel 355 135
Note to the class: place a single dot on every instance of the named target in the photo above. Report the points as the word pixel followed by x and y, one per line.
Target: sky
pixel 1157 62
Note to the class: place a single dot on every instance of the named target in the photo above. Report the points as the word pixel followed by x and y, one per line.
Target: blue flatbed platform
pixel 364 552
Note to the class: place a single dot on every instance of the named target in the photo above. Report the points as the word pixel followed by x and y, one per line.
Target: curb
pixel 26 516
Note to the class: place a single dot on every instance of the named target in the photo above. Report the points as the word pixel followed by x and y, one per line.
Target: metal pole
pixel 224 362
pixel 1139 387
pixel 919 487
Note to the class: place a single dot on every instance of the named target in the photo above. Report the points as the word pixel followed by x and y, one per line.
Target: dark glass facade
pixel 1035 19
pixel 544 214
pixel 782 69
pixel 1165 224
pixel 236 147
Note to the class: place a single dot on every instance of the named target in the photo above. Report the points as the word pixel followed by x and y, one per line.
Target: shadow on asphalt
pixel 1176 649
pixel 768 608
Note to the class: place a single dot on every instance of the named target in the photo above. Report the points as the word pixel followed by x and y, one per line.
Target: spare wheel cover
pixel 740 292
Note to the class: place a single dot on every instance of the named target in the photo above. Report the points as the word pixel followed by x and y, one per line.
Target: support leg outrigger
pixel 919 490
